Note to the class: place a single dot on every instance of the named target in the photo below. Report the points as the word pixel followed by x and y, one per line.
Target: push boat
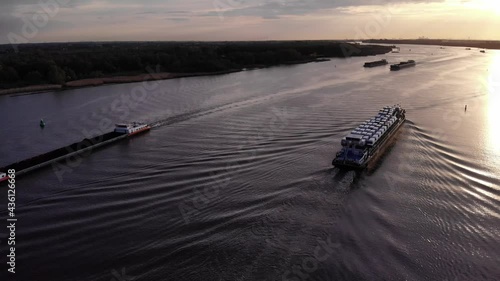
pixel 375 63
pixel 403 64
pixel 368 140
pixel 87 145
pixel 132 129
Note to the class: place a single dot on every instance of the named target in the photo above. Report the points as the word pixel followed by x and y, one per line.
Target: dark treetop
pixel 57 63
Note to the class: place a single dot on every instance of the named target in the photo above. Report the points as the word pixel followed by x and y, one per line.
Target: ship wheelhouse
pixel 123 128
pixel 130 128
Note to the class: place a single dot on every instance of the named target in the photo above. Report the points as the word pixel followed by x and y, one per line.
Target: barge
pixel 369 139
pixel 375 63
pixel 403 64
pixel 120 132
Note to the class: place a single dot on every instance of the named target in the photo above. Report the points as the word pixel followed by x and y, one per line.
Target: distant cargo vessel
pixel 121 131
pixel 403 64
pixel 375 63
pixel 369 139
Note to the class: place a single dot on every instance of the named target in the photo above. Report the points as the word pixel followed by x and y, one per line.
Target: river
pixel 235 180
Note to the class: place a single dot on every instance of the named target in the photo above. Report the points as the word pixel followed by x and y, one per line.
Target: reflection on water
pixel 239 186
pixel 494 108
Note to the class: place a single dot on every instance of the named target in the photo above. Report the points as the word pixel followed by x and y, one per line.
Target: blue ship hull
pixel 360 158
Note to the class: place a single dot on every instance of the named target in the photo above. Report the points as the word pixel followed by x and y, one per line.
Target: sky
pixel 33 21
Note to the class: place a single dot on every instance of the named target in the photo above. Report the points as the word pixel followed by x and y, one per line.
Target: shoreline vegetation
pixel 57 66
pixel 94 82
pixel 480 44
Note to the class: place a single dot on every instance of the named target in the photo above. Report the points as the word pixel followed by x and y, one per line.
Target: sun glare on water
pixel 493 86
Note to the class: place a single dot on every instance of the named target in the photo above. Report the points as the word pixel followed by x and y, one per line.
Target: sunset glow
pixel 485 5
pixel 109 20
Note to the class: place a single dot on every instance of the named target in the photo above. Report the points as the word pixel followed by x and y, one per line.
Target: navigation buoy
pixel 42 123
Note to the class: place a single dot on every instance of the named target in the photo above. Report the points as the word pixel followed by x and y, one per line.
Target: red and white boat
pixel 132 129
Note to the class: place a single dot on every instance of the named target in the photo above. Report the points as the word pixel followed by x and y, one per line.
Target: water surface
pixel 235 181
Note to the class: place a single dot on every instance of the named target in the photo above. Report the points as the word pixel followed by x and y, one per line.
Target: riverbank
pixel 122 79
pixel 94 82
pixel 31 89
pixel 38 67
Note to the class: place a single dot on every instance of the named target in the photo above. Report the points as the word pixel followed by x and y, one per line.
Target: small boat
pixel 42 123
pixel 375 63
pixel 403 64
pixel 369 140
pixel 132 129
pixel 483 51
pixel 468 49
pixel 3 177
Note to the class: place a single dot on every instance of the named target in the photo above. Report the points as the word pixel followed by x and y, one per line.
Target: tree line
pixel 486 44
pixel 57 63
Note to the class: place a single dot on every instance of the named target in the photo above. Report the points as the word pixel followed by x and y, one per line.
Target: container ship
pixel 120 132
pixel 403 64
pixel 375 63
pixel 369 139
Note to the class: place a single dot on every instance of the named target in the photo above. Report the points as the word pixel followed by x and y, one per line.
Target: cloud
pixel 176 12
pixel 14 15
pixel 178 19
pixel 276 8
pixel 249 19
